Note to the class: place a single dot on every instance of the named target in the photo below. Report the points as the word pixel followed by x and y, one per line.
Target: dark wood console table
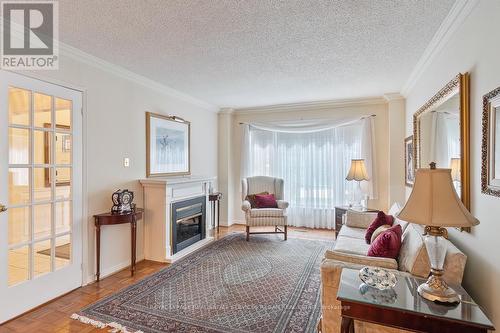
pixel 113 219
pixel 215 198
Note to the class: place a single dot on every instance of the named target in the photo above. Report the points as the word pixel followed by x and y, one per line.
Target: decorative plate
pixel 378 277
pixel 386 296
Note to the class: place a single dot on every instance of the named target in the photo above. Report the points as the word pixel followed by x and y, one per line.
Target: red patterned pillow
pixel 388 244
pixel 380 220
pixel 266 201
pixel 251 198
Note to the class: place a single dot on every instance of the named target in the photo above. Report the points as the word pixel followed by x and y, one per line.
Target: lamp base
pixel 436 289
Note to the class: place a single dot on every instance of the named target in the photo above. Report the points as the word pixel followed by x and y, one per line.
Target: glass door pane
pixel 40 184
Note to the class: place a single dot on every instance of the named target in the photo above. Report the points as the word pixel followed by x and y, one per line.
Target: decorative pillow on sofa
pixel 266 201
pixel 413 256
pixel 387 245
pixel 379 221
pixel 251 198
pixel 379 231
pixel 356 219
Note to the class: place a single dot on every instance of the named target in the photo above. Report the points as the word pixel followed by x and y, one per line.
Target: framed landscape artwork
pixel 409 162
pixel 167 145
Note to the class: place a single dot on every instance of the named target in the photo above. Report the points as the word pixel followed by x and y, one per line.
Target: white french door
pixel 40 192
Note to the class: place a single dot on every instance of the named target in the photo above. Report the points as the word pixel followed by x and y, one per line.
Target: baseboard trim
pixel 112 270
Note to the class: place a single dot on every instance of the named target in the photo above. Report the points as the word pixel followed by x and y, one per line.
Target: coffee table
pixel 402 307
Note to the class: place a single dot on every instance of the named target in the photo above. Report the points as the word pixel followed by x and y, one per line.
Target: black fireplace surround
pixel 188 222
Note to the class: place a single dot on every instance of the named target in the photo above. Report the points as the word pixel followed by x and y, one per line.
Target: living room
pixel 329 112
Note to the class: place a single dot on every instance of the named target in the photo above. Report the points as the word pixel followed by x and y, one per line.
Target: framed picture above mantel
pixel 167 145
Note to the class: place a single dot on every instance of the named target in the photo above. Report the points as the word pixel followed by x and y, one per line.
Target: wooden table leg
pixel 134 240
pixel 347 325
pixel 218 215
pixel 213 215
pixel 98 248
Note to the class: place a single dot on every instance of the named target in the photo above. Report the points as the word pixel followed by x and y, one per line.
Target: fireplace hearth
pixel 188 227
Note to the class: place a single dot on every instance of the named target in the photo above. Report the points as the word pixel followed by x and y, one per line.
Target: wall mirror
pixel 490 167
pixel 441 134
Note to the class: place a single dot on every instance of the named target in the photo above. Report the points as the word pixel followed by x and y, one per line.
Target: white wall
pixel 473 48
pixel 115 128
pixel 378 107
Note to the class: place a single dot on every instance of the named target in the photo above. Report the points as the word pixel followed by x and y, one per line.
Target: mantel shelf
pixel 176 180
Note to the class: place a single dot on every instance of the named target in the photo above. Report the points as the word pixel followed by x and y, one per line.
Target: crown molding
pixel 457 15
pixel 389 97
pixel 318 105
pixel 226 111
pixel 87 58
pixel 84 57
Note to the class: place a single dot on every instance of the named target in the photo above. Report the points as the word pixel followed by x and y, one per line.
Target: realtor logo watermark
pixel 30 34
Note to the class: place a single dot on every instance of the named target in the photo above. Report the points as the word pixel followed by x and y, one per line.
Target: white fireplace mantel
pixel 159 194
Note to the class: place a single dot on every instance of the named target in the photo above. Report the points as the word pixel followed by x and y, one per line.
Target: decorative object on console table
pixel 358 173
pixel 400 307
pixel 341 210
pixel 215 198
pixel 490 154
pixel 167 145
pixel 122 201
pixel 113 219
pixel 434 203
pixel 409 162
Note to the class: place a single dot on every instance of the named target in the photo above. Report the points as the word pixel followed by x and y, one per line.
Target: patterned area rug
pixel 231 285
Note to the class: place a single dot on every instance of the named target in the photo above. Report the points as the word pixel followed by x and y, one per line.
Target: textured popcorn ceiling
pixel 237 53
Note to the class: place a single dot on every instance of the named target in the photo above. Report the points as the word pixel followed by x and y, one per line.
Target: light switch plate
pixel 126 162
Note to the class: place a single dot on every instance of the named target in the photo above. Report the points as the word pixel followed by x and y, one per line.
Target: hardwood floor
pixel 55 315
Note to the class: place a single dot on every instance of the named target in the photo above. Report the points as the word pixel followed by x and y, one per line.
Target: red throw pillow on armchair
pixel 251 198
pixel 388 244
pixel 266 201
pixel 380 220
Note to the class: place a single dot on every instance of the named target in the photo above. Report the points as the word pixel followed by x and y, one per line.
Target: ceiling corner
pixel 458 13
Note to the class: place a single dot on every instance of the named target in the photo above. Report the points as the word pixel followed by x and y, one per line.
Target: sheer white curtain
pixel 312 163
pixel 445 138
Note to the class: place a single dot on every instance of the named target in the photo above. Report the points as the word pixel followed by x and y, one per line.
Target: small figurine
pixel 122 201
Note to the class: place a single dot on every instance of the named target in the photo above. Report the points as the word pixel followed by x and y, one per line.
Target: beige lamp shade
pixel 434 201
pixel 357 170
pixel 455 169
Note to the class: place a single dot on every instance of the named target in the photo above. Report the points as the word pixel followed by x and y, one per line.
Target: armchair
pixel 261 217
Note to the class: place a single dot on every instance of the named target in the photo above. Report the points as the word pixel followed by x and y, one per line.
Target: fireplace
pixel 188 222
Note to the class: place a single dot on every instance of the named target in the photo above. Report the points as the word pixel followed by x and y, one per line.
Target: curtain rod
pixel 372 115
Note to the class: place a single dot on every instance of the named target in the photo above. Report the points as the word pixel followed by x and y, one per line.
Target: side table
pixel 113 219
pixel 341 210
pixel 215 198
pixel 402 307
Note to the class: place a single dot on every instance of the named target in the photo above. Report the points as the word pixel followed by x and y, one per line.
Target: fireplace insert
pixel 188 222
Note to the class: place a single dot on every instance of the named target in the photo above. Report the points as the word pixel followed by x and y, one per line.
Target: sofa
pixel 350 250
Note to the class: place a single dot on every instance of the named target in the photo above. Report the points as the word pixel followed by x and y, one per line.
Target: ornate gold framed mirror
pixel 490 154
pixel 441 134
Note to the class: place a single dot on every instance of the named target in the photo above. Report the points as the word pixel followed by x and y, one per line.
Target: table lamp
pixel 434 203
pixel 357 172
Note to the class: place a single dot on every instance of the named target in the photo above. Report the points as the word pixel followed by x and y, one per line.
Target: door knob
pixel 2 208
